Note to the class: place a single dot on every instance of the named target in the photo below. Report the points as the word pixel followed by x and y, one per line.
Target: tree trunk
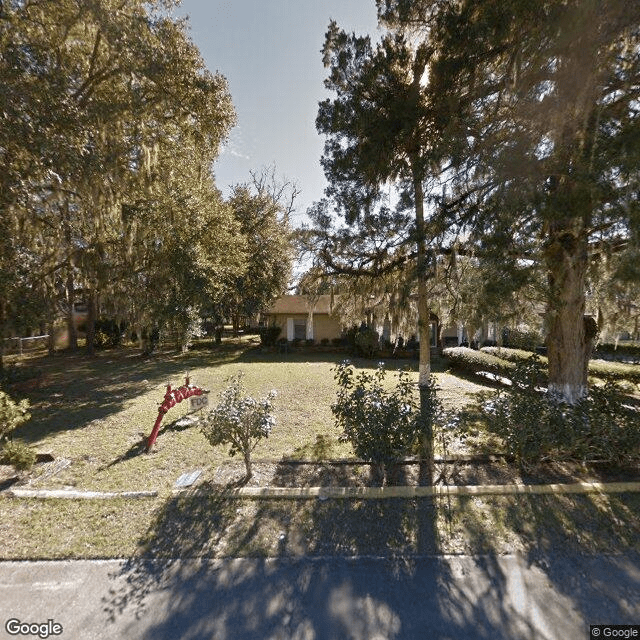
pixel 72 331
pixel 426 473
pixel 236 324
pixel 91 322
pixel 247 465
pixel 2 334
pixel 51 340
pixel 569 342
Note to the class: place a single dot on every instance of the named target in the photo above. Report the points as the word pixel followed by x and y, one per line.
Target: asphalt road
pixel 436 597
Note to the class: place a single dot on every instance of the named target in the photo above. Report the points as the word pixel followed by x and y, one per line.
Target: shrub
pixel 269 335
pixel 615 371
pixel 536 427
pixel 336 342
pixel 18 454
pixel 239 420
pixel 309 342
pixel 382 425
pixel 518 339
pixel 598 368
pixel 367 342
pixel 324 342
pixel 108 334
pixel 621 352
pixel 473 361
pixel 512 355
pixel 12 414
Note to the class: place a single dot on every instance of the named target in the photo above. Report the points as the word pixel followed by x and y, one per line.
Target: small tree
pixel 239 420
pixel 12 414
pixel 381 424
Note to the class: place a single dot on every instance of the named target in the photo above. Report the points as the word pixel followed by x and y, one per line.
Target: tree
pixel 261 210
pixel 101 102
pixel 539 102
pixel 378 130
pixel 240 421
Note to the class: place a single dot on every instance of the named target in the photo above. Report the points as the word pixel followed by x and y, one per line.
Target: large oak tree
pixel 539 101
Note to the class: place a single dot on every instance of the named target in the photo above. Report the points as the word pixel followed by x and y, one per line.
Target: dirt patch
pixel 327 474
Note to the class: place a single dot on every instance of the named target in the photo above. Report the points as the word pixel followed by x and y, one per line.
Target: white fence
pixel 18 345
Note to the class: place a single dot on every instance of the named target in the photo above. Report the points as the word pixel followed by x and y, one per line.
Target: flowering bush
pixel 240 421
pixel 12 414
pixel 382 425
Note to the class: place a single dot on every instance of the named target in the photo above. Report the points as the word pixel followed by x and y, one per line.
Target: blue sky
pixel 269 51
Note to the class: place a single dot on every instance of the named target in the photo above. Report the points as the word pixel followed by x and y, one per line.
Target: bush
pixel 597 368
pixel 614 371
pixel 536 427
pixel 108 334
pixel 518 339
pixel 239 420
pixel 309 342
pixel 381 425
pixel 337 342
pixel 621 352
pixel 324 342
pixel 269 335
pixel 466 359
pixel 12 414
pixel 513 355
pixel 367 342
pixel 18 454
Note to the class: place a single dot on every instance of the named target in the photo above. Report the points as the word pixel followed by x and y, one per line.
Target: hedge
pixel 597 368
pixel 512 355
pixel 466 359
pixel 610 351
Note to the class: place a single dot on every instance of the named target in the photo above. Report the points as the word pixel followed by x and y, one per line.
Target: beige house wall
pixel 324 326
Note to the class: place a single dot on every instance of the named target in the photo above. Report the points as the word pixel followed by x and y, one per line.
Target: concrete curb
pixel 78 495
pixel 377 493
pixel 357 493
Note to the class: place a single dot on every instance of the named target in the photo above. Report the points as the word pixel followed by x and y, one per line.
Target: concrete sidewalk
pixel 435 597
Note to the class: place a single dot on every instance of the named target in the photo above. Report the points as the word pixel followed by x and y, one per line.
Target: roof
pixel 300 304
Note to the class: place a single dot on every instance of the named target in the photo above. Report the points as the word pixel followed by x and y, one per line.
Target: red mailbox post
pixel 171 399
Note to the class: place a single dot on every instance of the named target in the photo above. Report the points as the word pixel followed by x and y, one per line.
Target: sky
pixel 270 53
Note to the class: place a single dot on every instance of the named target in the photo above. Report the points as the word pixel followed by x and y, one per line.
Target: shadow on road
pixel 359 569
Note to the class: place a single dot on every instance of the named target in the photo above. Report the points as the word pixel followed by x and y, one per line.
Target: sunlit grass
pixel 97 412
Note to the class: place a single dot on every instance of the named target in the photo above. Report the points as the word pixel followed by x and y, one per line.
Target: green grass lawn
pixel 96 413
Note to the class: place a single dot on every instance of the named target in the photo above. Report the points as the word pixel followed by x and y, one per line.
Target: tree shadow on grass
pixel 375 568
pixel 587 547
pixel 78 390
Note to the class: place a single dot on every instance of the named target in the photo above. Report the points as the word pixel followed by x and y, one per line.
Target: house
pixel 304 318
